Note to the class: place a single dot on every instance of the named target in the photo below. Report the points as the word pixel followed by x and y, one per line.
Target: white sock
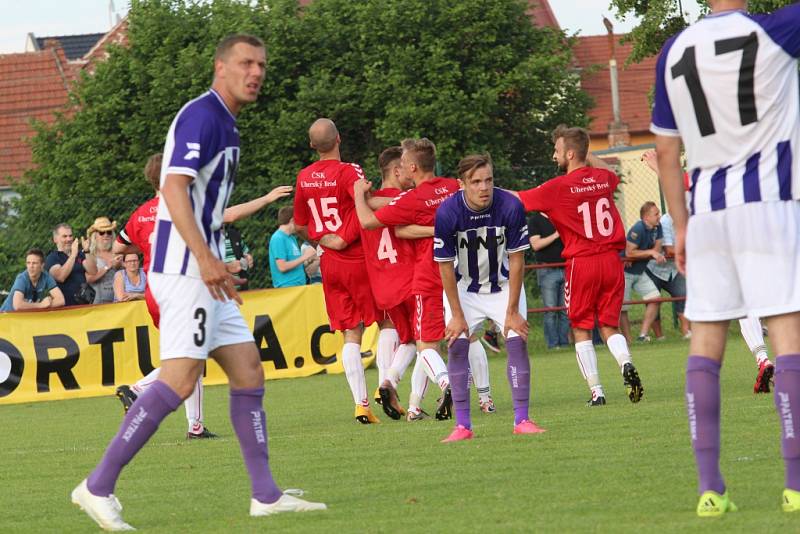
pixel 479 365
pixel 419 385
pixel 402 358
pixel 194 405
pixel 143 383
pixel 587 363
pixel 618 346
pixel 435 368
pixel 354 370
pixel 754 337
pixel 387 344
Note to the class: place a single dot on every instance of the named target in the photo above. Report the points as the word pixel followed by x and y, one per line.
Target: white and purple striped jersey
pixel 203 143
pixel 728 85
pixel 480 241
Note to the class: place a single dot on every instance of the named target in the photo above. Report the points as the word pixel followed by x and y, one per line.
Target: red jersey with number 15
pixel 418 206
pixel 581 207
pixel 390 261
pixel 139 229
pixel 323 202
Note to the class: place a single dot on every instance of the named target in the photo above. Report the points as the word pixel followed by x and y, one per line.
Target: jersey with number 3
pixel 728 86
pixel 390 261
pixel 581 207
pixel 323 202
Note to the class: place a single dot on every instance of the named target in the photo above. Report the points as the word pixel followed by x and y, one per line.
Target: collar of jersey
pixel 464 200
pixel 222 102
pixel 726 12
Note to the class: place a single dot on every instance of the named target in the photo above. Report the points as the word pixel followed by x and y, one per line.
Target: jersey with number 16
pixel 581 206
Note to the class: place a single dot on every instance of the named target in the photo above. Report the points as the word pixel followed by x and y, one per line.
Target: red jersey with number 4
pixel 138 230
pixel 390 261
pixel 323 202
pixel 581 207
pixel 418 206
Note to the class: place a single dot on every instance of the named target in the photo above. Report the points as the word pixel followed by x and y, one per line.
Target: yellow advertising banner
pixel 87 351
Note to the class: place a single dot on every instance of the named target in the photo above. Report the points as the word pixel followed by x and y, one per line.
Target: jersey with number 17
pixel 323 202
pixel 581 206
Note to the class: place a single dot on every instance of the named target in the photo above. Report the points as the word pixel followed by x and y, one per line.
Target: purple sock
pixel 702 405
pixel 787 398
pixel 250 424
pixel 458 370
pixel 519 377
pixel 141 422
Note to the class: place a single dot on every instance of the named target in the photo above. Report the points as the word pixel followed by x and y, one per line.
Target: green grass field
pixel 621 467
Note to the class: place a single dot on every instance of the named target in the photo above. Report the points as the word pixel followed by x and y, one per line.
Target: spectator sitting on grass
pixel 33 288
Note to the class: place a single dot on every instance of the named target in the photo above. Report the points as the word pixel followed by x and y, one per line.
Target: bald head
pixel 323 135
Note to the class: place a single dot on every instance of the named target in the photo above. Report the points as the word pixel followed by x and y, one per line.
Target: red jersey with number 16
pixel 390 261
pixel 418 206
pixel 581 206
pixel 323 202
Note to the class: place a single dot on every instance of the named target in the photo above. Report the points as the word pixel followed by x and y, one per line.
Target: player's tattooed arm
pixel 457 324
pixel 413 231
pixel 366 216
pixel 514 319
pixel 333 242
pixel 240 211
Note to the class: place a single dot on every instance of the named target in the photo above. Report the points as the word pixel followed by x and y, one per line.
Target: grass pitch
pixel 605 469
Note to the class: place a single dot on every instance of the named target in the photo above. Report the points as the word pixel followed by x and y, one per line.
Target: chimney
pixel 617 130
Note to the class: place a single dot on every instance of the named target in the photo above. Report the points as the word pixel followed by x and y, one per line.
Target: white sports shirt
pixel 202 143
pixel 728 86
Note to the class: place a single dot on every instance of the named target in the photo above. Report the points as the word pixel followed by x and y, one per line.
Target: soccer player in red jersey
pixel 137 235
pixel 581 206
pixel 418 207
pixel 323 204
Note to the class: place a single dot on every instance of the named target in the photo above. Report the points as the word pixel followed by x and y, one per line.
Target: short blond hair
pixel 423 151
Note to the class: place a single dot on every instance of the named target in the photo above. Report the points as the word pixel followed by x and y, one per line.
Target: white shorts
pixel 478 307
pixel 192 322
pixel 743 261
pixel 641 284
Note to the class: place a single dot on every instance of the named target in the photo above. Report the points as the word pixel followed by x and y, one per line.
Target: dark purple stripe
pixel 692 187
pixel 752 189
pixel 210 200
pixel 785 170
pixel 185 260
pixel 472 261
pixel 491 244
pixel 718 188
pixel 162 239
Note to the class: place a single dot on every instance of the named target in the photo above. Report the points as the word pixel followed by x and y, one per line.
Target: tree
pixel 660 19
pixel 473 75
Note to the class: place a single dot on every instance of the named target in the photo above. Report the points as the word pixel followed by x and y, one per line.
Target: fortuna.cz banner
pixel 87 351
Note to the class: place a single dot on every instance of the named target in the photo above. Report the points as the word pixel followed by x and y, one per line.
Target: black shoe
pixel 205 434
pixel 389 400
pixel 126 397
pixel 597 401
pixel 445 408
pixel 633 385
pixel 490 339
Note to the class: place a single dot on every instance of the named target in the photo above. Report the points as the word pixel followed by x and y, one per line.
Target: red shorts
pixel 348 297
pixel 402 316
pixel 152 307
pixel 594 287
pixel 429 318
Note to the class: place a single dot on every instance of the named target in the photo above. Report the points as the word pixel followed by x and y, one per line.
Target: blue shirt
pixel 644 239
pixel 480 241
pixel 30 293
pixel 283 246
pixel 72 284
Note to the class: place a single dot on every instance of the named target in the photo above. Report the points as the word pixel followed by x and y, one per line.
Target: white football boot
pixel 287 503
pixel 106 511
